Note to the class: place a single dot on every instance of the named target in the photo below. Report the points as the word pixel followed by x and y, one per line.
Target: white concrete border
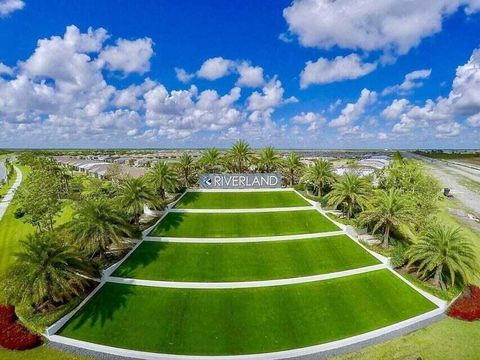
pixel 246 210
pixel 241 190
pixel 244 284
pixel 309 350
pixel 243 239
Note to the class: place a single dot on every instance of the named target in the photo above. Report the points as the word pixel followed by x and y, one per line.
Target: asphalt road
pixel 450 175
pixel 3 171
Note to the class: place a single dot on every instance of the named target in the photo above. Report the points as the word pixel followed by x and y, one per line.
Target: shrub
pixel 397 257
pixel 467 307
pixel 19 213
pixel 300 187
pixel 7 314
pixel 13 335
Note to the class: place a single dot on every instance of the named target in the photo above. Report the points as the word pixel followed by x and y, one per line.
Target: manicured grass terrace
pixel 242 321
pixel 244 261
pixel 216 225
pixel 240 200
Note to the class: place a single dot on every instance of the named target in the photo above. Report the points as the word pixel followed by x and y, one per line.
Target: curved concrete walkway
pixel 7 199
pixel 244 284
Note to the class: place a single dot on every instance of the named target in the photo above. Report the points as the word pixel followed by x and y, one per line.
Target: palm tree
pixel 292 166
pixel 97 225
pixel 210 160
pixel 351 191
pixel 162 177
pixel 133 195
pixel 319 175
pixel 240 156
pixel 268 159
pixel 445 253
pixel 47 271
pixel 388 209
pixel 186 166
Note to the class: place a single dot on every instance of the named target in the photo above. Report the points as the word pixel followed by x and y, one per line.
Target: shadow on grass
pixel 103 306
pixel 146 254
pixel 187 199
pixel 170 222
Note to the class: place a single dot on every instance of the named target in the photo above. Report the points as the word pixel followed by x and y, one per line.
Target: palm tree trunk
pixel 320 189
pixel 438 273
pixel 386 235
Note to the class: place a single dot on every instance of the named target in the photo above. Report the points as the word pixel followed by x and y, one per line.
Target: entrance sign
pixel 240 181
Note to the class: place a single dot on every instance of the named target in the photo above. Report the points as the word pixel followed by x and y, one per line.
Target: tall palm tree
pixel 210 160
pixel 162 177
pixel 292 167
pixel 240 156
pixel 319 174
pixel 445 253
pixel 133 195
pixel 350 191
pixel 97 225
pixel 268 159
pixel 186 165
pixel 47 271
pixel 387 209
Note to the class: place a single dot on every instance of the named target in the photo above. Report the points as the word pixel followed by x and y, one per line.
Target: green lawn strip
pixel 242 321
pixel 41 353
pixel 244 261
pixel 446 339
pixel 13 230
pixel 243 224
pixel 240 200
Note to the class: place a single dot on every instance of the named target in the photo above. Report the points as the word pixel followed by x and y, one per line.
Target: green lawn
pixel 243 224
pixel 240 200
pixel 244 261
pixel 242 321
pixel 13 230
pixel 40 353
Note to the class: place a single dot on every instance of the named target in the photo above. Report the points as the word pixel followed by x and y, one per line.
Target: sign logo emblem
pixel 240 181
pixel 207 181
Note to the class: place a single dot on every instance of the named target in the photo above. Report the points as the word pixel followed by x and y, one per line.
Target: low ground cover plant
pixel 13 335
pixel 467 307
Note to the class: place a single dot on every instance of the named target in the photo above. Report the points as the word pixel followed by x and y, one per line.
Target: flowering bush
pixel 13 335
pixel 467 307
pixel 7 315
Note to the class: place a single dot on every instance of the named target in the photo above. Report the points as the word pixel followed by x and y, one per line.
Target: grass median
pixel 244 261
pixel 217 225
pixel 240 200
pixel 244 321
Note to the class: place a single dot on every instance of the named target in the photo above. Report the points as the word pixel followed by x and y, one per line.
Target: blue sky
pixel 297 74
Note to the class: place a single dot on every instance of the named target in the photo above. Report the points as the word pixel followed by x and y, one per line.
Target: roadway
pixel 451 174
pixel 3 171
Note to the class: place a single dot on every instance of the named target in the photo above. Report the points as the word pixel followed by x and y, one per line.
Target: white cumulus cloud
pixel 128 56
pixel 9 6
pixel 324 71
